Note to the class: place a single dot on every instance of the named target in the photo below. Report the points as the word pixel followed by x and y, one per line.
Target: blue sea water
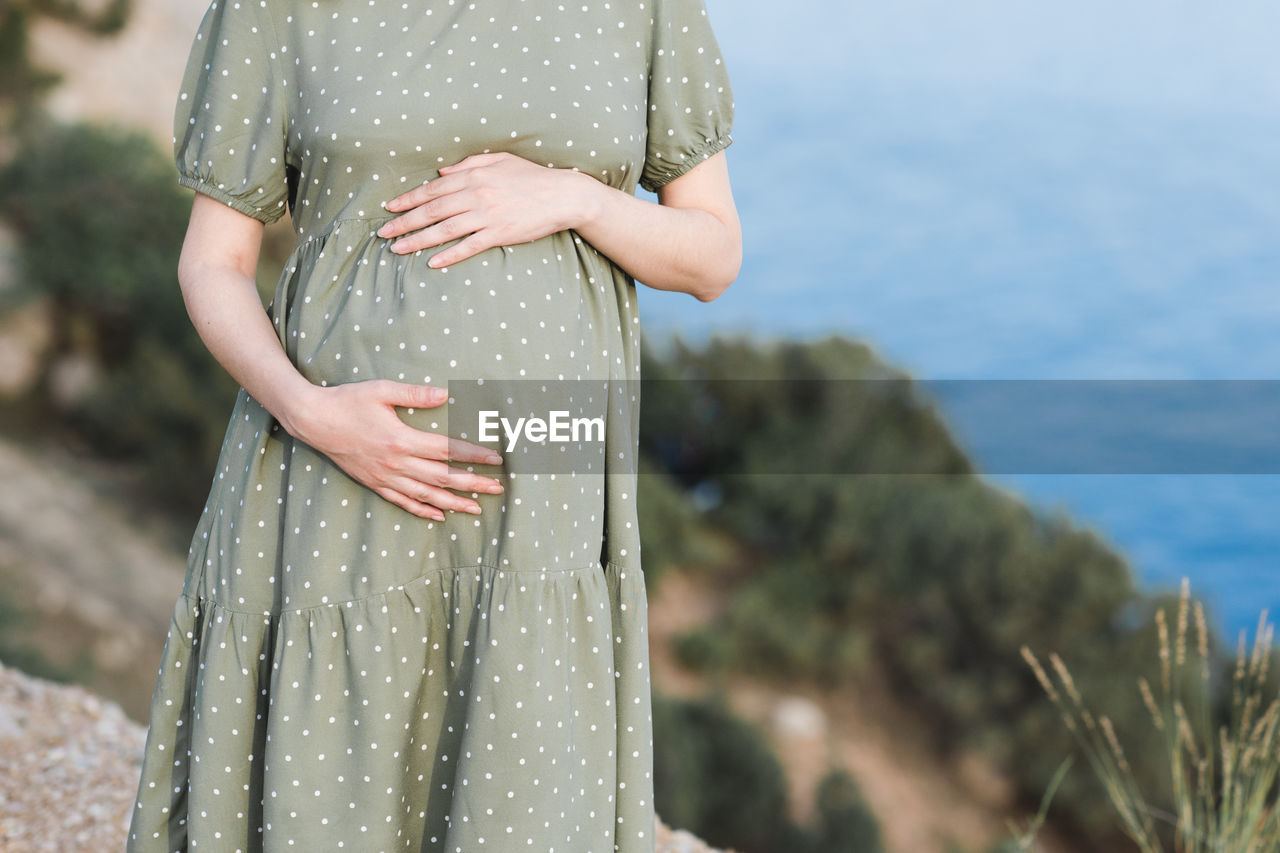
pixel 997 191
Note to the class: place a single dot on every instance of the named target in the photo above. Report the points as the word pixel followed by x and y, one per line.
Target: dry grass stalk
pixel 1163 631
pixel 1202 642
pixel 1182 622
pixel 1235 813
pixel 1150 701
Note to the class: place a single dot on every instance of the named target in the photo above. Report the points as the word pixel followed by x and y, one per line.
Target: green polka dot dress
pixel 341 674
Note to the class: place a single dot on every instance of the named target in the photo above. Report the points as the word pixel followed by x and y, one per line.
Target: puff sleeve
pixel 690 99
pixel 229 124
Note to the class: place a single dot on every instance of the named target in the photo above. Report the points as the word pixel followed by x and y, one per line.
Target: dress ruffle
pixel 419 688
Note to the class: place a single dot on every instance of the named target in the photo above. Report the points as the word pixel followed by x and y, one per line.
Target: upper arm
pixel 706 187
pixel 219 235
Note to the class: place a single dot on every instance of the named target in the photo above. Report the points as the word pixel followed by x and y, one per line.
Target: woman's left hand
pixel 490 200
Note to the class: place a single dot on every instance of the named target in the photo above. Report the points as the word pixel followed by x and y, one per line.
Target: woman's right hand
pixel 355 424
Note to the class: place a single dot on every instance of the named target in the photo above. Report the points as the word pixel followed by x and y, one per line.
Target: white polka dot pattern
pixel 339 673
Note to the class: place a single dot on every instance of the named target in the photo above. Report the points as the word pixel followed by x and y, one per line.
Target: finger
pixel 471 246
pixel 427 213
pixel 426 493
pixel 464 451
pixel 447 477
pixel 442 232
pixel 443 448
pixel 413 396
pixel 426 192
pixel 410 505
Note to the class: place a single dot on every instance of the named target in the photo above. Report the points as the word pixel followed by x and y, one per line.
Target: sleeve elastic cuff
pixel 653 178
pixel 214 191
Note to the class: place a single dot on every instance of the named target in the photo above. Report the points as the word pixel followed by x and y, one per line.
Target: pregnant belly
pixel 349 309
pixel 541 318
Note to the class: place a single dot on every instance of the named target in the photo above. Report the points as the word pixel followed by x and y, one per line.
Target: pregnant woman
pixel 388 639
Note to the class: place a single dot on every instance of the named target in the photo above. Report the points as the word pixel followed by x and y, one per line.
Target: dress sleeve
pixel 229 124
pixel 690 100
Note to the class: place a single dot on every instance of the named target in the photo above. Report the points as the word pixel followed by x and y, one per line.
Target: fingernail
pixel 398 246
pixel 474 510
pixel 493 459
pixel 496 488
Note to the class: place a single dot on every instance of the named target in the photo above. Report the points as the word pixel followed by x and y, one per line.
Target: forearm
pixel 666 247
pixel 227 312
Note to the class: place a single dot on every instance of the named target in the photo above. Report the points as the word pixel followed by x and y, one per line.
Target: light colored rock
pixel 68 767
pixel 670 840
pixel 10 726
pixel 798 718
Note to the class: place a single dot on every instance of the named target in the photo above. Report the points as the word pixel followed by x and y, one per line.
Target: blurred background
pixel 974 192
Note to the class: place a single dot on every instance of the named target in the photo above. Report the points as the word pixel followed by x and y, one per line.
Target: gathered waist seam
pixel 200 600
pixel 337 223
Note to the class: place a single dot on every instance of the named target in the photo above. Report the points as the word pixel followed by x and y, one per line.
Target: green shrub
pixel 715 776
pixel 673 534
pixel 844 822
pixel 935 577
pixel 101 220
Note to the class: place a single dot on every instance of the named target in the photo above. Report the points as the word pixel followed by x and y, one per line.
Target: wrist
pixel 298 408
pixel 587 199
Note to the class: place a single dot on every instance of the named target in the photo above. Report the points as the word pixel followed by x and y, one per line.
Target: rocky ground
pixel 68 767
pixel 69 764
